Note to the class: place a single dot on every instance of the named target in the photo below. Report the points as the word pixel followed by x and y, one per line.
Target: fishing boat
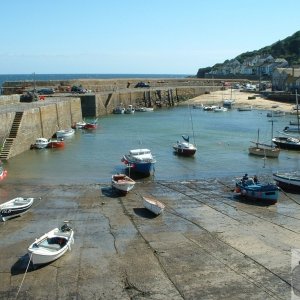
pixel 3 172
pixel 130 109
pixel 122 183
pixel 287 142
pixel 119 110
pixel 15 207
pixel 140 161
pixel 153 205
pixel 40 143
pixel 65 133
pixel 91 125
pixel 265 150
pixel 289 181
pixel 263 193
pixel 52 245
pixel 185 148
pixel 56 143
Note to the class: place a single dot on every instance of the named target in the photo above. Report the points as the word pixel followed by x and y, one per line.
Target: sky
pixel 137 37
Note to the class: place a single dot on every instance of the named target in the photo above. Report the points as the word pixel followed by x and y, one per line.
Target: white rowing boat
pixel 153 205
pixel 122 183
pixel 52 245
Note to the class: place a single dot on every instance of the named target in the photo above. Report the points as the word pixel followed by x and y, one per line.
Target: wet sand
pixel 207 244
pixel 241 100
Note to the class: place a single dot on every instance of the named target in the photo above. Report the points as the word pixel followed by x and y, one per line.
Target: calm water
pixel 222 140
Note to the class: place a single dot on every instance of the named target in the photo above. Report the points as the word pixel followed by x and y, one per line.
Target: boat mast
pixel 192 126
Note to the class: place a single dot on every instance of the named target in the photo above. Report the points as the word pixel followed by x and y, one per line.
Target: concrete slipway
pixel 206 245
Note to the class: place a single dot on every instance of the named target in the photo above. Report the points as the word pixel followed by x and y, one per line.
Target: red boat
pixel 92 125
pixel 56 143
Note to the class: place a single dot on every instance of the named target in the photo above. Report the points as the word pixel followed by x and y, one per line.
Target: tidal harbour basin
pixel 207 244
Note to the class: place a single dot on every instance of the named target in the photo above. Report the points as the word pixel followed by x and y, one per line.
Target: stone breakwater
pixel 207 244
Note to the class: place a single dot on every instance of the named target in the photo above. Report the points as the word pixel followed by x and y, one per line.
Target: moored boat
pixel 56 143
pixel 78 125
pixel 261 149
pixel 140 161
pixel 153 205
pixel 264 150
pixel 220 109
pixel 263 193
pixel 289 181
pixel 119 110
pixel 51 246
pixel 185 148
pixel 65 133
pixel 40 143
pixel 91 125
pixel 15 207
pixel 287 142
pixel 130 109
pixel 122 183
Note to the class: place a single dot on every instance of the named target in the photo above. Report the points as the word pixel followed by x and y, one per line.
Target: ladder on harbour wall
pixel 9 141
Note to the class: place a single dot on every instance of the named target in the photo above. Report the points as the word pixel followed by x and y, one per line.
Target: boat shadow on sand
pixel 20 266
pixel 111 192
pixel 144 213
pixel 254 202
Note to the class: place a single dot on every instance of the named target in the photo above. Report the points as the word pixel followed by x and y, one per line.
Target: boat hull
pixel 262 193
pixel 184 151
pixel 139 161
pixel 287 143
pixel 140 167
pixel 273 153
pixel 11 209
pixel 56 144
pixel 122 183
pixel 153 205
pixel 288 181
pixel 65 133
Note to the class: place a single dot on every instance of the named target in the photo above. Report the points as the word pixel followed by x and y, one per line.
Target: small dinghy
pixel 122 183
pixel 153 205
pixel 15 207
pixel 51 245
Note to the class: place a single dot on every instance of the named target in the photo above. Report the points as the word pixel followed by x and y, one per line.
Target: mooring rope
pixel 24 276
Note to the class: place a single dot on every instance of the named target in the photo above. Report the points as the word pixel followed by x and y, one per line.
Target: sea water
pixel 222 140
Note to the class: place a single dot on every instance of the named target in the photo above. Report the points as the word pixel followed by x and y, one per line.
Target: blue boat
pixel 263 193
pixel 140 161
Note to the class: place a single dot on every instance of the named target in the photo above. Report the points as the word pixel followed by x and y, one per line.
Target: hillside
pixel 289 49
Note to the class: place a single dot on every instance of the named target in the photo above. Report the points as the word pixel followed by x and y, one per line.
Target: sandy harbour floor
pixel 207 244
pixel 241 100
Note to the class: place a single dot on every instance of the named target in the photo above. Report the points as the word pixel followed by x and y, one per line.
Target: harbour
pixel 208 243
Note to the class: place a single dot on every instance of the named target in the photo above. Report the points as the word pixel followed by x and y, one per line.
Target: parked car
pixel 46 91
pixel 142 85
pixel 78 89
